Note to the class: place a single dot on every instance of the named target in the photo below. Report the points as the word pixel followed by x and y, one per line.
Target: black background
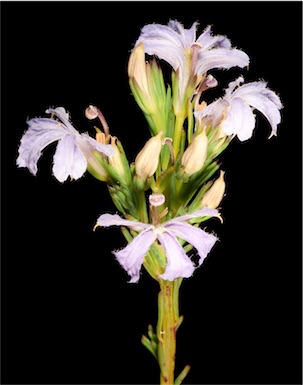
pixel 68 313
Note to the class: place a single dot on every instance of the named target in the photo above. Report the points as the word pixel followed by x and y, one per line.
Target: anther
pixel 93 112
pixel 156 199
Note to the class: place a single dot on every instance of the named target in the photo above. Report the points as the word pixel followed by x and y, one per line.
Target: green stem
pixel 168 323
pixel 142 209
pixel 178 133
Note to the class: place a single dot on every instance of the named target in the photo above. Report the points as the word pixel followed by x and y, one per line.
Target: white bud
pixel 213 197
pixel 137 68
pixel 147 160
pixel 195 155
pixel 115 160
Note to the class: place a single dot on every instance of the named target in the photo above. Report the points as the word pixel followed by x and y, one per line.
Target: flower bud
pixel 195 155
pixel 147 160
pixel 137 68
pixel 94 161
pixel 115 160
pixel 213 197
pixel 95 168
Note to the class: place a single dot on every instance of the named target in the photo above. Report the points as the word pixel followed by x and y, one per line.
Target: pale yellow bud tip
pixel 147 160
pixel 137 67
pixel 213 197
pixel 195 155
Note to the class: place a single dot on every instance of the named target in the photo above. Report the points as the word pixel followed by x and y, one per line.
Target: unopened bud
pixel 213 197
pixel 137 68
pixel 115 160
pixel 147 160
pixel 195 155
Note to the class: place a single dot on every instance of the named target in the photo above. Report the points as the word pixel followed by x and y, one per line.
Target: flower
pixel 178 263
pixel 73 149
pixel 179 47
pixel 234 112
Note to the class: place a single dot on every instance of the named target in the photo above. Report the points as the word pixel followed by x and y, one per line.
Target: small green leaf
pixel 149 346
pixel 182 375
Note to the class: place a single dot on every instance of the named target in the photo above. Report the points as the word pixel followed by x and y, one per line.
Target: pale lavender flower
pixel 179 47
pixel 178 263
pixel 72 149
pixel 234 112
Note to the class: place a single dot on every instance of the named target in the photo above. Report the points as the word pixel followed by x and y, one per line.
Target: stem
pixel 142 210
pixel 178 133
pixel 168 323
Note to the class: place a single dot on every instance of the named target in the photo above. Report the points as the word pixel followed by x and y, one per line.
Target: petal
pixel 264 100
pixel 204 212
pixel 106 220
pixel 63 115
pixel 178 263
pixel 201 240
pixel 131 257
pixel 240 120
pixel 164 42
pixel 215 110
pixel 68 160
pixel 232 86
pixel 258 87
pixel 165 50
pixel 40 134
pixel 220 58
pixel 188 35
pixel 88 144
pixel 207 41
pixel 170 33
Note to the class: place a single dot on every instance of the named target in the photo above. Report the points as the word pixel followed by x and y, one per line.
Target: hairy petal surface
pixel 208 41
pixel 264 100
pixel 106 220
pixel 240 120
pixel 188 35
pixel 40 133
pixel 215 111
pixel 178 263
pixel 164 43
pixel 220 58
pixel 68 159
pixel 131 257
pixel 63 115
pixel 204 212
pixel 201 240
pixel 87 144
